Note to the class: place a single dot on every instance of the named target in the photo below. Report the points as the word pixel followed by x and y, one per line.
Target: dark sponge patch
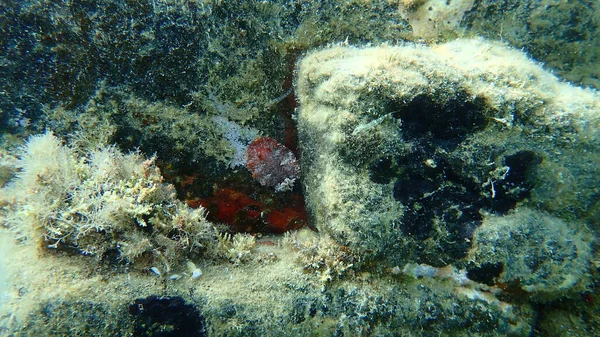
pixel 167 317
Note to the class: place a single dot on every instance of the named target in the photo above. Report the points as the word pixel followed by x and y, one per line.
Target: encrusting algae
pixel 284 168
pixel 100 202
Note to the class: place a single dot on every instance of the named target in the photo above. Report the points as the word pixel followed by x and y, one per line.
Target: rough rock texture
pixel 562 34
pixel 267 294
pixel 546 256
pixel 408 150
pixel 151 74
pixel 451 152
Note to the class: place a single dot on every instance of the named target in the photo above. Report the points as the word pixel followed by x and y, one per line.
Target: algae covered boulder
pixel 408 149
pixel 542 254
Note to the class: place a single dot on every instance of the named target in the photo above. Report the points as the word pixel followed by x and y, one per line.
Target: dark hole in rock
pixel 442 195
pixel 112 259
pixel 448 209
pixel 381 171
pixel 520 165
pixel 432 186
pixel 451 121
pixel 434 195
pixel 166 317
pixel 411 188
pixel 431 183
pixel 516 185
pixel 487 273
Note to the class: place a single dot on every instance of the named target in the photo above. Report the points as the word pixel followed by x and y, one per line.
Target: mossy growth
pixel 100 203
pixel 561 34
pixel 320 255
pixel 544 255
pixel 407 149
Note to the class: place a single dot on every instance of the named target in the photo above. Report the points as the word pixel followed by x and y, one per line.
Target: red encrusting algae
pixel 244 214
pixel 250 208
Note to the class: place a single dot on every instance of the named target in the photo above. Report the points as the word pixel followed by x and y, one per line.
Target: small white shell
pixel 174 277
pixel 196 273
pixel 155 271
pixel 431 163
pixel 190 266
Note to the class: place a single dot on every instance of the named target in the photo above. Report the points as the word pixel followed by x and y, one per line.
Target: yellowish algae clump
pixel 101 201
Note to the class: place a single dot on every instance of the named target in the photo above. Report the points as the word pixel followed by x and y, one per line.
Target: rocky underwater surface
pixel 299 168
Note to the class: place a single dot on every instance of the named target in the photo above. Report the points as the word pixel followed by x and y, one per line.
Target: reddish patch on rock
pixel 281 221
pixel 233 208
pixel 588 298
pixel 272 164
pixel 290 216
pixel 243 214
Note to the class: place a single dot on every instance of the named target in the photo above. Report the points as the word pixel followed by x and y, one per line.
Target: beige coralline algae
pixel 432 18
pixel 98 202
pixel 411 152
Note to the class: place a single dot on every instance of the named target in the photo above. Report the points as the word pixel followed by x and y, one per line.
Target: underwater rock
pixel 407 150
pixel 562 34
pixel 537 252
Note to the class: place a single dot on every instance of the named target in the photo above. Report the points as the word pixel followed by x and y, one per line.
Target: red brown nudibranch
pixel 272 164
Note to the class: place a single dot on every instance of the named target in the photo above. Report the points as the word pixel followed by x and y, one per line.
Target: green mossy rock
pixel 408 149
